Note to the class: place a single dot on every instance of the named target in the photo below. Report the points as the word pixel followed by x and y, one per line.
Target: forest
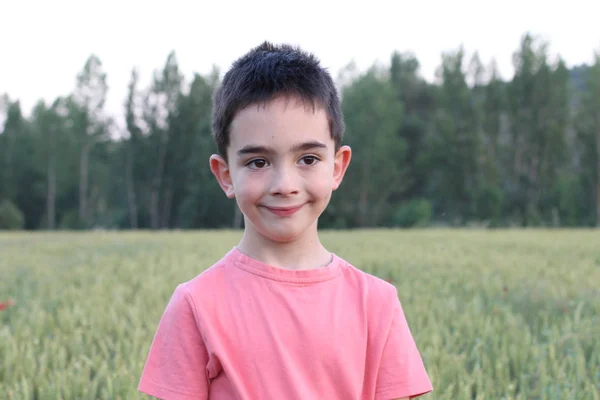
pixel 468 149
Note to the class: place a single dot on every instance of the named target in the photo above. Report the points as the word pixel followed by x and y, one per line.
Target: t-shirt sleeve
pixel 401 371
pixel 176 365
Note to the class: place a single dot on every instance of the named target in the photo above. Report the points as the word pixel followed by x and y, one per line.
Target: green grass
pixel 496 314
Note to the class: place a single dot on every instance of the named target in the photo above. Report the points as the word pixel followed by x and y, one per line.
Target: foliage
pixel 11 218
pixel 481 150
pixel 417 212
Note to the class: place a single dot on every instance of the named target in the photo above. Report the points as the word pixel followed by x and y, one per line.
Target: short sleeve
pixel 176 365
pixel 401 371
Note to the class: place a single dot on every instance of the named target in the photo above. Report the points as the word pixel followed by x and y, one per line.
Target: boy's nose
pixel 284 182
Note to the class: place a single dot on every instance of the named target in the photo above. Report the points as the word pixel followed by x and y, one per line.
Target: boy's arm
pixel 176 367
pixel 401 373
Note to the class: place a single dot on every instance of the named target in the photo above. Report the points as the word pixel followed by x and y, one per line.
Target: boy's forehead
pixel 280 121
pixel 282 107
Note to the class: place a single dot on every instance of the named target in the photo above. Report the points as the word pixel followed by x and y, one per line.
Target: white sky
pixel 44 44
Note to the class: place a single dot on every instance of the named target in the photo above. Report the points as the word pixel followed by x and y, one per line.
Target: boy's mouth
pixel 284 211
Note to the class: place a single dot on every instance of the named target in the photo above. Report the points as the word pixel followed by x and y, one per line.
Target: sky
pixel 44 44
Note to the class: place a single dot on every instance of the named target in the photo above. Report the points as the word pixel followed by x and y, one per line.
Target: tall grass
pixel 496 314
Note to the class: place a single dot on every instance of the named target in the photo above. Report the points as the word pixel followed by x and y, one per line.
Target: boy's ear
pixel 341 162
pixel 221 171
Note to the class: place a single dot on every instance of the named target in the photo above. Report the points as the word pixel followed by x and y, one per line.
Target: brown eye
pixel 258 163
pixel 310 160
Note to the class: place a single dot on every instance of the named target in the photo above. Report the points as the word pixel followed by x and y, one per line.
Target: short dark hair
pixel 269 71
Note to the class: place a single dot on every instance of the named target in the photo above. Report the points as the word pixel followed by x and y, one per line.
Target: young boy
pixel 279 316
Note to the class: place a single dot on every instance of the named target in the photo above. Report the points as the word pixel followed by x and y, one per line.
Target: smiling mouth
pixel 284 211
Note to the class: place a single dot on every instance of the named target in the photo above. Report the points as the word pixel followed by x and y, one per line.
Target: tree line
pixel 467 149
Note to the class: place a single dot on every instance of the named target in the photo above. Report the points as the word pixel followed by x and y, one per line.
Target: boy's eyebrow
pixel 254 149
pixel 309 146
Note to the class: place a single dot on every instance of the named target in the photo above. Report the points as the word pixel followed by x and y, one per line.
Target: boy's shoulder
pixel 378 289
pixel 209 280
pixel 224 276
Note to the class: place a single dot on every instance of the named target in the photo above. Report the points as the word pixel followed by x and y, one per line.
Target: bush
pixel 70 221
pixel 416 212
pixel 489 201
pixel 11 217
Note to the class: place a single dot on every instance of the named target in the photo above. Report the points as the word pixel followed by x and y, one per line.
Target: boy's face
pixel 281 168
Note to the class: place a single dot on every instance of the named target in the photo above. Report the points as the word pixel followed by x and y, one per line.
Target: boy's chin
pixel 282 235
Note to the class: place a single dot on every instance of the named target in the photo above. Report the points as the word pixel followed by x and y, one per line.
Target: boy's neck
pixel 306 252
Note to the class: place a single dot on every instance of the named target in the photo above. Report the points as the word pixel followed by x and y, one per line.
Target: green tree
pixel 198 200
pixel 22 171
pixel 133 145
pixel 14 129
pixel 160 106
pixel 490 197
pixel 539 118
pixel 91 123
pixel 417 100
pixel 379 167
pixel 49 128
pixel 454 143
pixel 11 218
pixel 588 134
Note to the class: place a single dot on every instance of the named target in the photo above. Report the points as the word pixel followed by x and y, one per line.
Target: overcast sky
pixel 44 44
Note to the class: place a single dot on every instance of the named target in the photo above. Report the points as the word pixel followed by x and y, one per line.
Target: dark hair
pixel 269 71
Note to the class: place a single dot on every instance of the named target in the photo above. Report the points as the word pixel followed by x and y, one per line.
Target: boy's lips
pixel 284 211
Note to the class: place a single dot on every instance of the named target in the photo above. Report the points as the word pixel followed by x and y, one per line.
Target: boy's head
pixel 270 71
pixel 278 124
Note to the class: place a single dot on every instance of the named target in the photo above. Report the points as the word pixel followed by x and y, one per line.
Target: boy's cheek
pixel 247 189
pixel 322 186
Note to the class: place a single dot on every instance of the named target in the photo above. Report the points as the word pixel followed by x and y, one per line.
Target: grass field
pixel 496 314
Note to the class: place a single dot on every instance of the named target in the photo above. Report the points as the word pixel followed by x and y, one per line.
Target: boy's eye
pixel 257 163
pixel 309 160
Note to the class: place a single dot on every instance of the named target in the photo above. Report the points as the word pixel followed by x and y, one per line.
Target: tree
pixel 159 109
pixel 48 125
pixel 594 106
pixel 588 130
pixel 89 98
pixel 454 143
pixel 539 119
pixel 14 127
pixel 21 172
pixel 378 170
pixel 417 100
pixel 494 111
pixel 132 145
pixel 490 196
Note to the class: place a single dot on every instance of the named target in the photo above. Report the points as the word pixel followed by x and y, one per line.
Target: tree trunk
pixel 154 217
pixel 51 196
pixel 598 171
pixel 166 209
pixel 157 181
pixel 83 183
pixel 530 192
pixel 131 201
pixel 95 204
pixel 7 179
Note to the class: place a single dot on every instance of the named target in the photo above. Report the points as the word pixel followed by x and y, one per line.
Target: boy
pixel 279 316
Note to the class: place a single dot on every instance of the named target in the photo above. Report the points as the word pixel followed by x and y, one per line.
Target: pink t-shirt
pixel 246 330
